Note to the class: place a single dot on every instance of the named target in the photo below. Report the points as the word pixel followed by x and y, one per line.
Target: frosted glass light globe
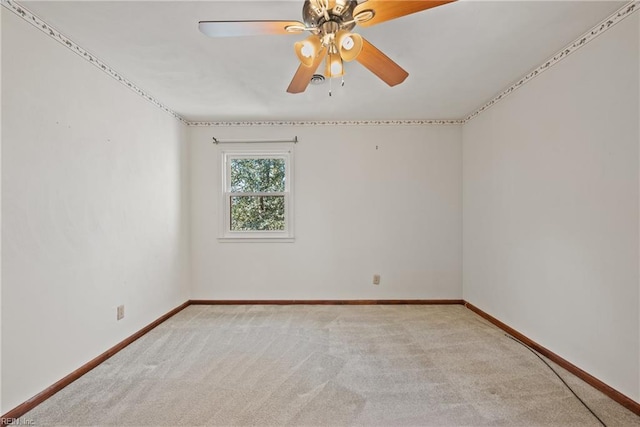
pixel 347 43
pixel 307 50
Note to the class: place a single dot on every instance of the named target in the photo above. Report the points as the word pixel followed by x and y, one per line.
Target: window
pixel 257 193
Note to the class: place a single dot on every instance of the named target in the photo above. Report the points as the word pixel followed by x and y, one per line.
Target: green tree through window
pixel 257 194
pixel 257 212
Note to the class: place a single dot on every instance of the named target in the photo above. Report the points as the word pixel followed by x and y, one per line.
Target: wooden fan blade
pixel 303 75
pixel 247 28
pixel 381 65
pixel 385 10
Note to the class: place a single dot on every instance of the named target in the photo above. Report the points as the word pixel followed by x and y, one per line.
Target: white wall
pixel 551 196
pixel 395 210
pixel 94 212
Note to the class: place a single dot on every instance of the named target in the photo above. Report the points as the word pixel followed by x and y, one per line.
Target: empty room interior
pixel 320 212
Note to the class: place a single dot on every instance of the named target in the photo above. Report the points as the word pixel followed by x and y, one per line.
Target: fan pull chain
pixel 331 85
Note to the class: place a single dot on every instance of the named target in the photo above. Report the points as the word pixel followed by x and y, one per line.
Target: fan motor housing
pixel 341 12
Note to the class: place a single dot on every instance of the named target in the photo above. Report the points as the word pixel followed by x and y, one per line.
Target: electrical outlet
pixel 120 314
pixel 376 279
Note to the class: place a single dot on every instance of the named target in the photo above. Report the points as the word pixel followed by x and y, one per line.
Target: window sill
pixel 256 239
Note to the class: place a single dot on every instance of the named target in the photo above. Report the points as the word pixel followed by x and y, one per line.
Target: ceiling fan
pixel 330 23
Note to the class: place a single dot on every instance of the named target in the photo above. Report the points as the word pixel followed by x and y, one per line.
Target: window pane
pixel 257 213
pixel 257 175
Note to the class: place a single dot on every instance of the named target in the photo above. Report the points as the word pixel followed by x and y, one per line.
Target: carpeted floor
pixel 326 365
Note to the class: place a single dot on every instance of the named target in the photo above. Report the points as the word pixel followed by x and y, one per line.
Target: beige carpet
pixel 326 365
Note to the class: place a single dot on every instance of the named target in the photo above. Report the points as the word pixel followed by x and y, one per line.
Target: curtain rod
pixel 242 141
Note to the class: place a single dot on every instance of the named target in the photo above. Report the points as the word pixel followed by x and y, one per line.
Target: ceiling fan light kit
pixel 330 23
pixel 334 66
pixel 350 45
pixel 307 50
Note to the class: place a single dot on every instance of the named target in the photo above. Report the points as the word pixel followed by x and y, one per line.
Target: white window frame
pixel 228 235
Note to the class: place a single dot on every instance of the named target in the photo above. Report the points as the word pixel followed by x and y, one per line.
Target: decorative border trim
pixel 75 48
pixel 330 123
pixel 612 20
pixel 605 25
pixel 599 385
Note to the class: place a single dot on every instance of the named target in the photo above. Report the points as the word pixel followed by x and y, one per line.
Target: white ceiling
pixel 458 55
